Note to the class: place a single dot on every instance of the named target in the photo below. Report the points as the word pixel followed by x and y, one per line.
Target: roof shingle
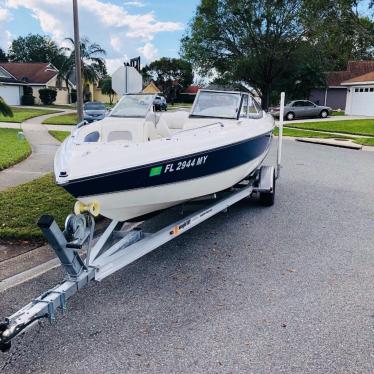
pixel 354 69
pixel 30 72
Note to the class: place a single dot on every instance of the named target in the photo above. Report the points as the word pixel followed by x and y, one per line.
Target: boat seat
pixel 175 120
pixel 162 128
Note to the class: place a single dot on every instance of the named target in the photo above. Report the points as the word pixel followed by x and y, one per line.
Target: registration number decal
pixel 190 163
pixel 178 166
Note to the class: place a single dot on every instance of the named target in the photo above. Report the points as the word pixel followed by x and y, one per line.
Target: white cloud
pixel 149 51
pixel 116 43
pixel 5 38
pixel 138 4
pixel 4 15
pixel 5 35
pixel 119 32
pixel 55 17
pixel 113 64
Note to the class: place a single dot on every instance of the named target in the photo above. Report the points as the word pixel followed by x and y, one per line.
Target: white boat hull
pixel 125 205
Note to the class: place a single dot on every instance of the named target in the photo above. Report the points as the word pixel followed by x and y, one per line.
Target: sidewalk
pixel 40 162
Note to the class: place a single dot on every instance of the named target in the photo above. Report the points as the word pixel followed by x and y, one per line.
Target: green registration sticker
pixel 155 171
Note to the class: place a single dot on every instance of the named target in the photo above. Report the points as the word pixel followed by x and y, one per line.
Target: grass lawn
pixel 60 135
pixel 315 134
pixel 58 106
pixel 365 141
pixel 356 126
pixel 22 114
pixel 336 113
pixel 307 134
pixel 12 149
pixel 64 119
pixel 21 207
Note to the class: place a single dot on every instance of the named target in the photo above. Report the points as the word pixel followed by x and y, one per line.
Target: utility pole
pixel 78 68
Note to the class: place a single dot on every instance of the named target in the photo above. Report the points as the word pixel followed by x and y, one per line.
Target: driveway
pixel 40 161
pixel 286 289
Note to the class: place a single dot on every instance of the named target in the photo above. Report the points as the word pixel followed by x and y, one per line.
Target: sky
pixel 124 28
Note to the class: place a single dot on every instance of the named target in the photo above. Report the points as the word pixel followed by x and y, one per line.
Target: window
pixel 92 137
pixel 371 89
pixel 94 106
pixel 216 104
pixel 244 109
pixel 361 90
pixel 298 104
pixel 136 106
pixel 356 89
pixel 366 90
pixel 308 103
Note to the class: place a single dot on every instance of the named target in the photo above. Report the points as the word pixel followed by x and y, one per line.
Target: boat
pixel 137 161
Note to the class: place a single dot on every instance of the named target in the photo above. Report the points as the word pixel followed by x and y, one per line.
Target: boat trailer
pixel 119 246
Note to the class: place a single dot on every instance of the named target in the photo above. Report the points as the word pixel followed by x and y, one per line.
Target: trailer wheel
pixel 267 198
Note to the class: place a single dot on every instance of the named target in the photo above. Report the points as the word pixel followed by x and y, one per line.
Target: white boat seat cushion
pixel 162 128
pixel 175 120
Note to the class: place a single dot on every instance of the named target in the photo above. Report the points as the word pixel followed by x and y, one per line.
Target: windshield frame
pixel 133 116
pixel 237 93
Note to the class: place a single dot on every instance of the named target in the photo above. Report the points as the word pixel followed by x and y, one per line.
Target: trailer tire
pixel 267 198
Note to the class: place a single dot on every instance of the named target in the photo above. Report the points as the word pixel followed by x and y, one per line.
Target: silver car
pixel 94 111
pixel 302 109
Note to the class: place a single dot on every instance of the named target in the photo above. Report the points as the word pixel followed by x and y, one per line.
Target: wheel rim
pixel 324 114
pixel 289 116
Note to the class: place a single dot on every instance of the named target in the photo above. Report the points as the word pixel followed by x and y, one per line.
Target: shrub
pixel 27 100
pixel 47 96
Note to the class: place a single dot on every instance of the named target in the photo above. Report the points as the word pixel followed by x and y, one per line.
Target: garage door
pixel 10 94
pixel 362 101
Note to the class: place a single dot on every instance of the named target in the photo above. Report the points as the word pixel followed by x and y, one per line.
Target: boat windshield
pixel 133 106
pixel 216 104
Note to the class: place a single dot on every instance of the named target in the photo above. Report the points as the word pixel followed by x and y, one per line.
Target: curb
pixel 331 142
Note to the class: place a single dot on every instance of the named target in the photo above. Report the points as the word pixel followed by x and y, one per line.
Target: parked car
pixel 94 111
pixel 160 103
pixel 302 109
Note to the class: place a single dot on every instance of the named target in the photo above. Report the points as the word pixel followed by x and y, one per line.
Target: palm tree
pixel 93 62
pixel 5 109
pixel 65 71
pixel 106 88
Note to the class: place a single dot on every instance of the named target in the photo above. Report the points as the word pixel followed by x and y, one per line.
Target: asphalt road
pixel 286 289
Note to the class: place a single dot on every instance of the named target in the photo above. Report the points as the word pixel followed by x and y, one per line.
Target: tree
pixel 252 39
pixel 338 33
pixel 5 109
pixel 266 43
pixel 35 48
pixel 92 61
pixel 106 88
pixel 3 56
pixel 172 75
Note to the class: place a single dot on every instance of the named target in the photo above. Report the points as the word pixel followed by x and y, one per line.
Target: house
pixel 92 92
pixel 335 94
pixel 188 95
pixel 151 88
pixel 360 95
pixel 16 75
pixel 11 89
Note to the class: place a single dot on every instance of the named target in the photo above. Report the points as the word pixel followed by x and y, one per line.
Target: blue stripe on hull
pixel 173 170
